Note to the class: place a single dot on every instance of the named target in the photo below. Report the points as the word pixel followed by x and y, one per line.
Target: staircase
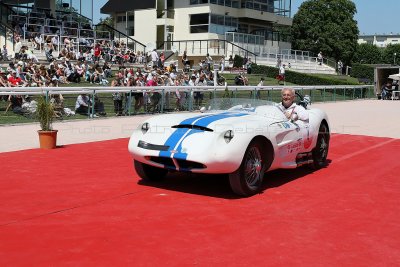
pixel 303 66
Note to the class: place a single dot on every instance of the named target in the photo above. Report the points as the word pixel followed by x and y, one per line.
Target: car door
pixel 289 138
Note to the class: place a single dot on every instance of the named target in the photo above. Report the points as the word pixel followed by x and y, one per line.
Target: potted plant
pixel 45 115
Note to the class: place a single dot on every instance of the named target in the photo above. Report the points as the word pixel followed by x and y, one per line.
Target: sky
pixel 373 16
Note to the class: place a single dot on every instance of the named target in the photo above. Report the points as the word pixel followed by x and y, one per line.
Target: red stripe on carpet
pixel 81 205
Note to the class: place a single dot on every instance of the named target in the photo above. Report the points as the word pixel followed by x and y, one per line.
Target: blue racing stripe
pixel 191 120
pixel 182 133
pixel 181 155
pixel 204 122
pixel 173 140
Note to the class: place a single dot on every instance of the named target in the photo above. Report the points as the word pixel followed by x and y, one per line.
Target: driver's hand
pixel 288 114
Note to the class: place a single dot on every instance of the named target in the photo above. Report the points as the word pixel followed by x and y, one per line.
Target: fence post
pixel 162 101
pixel 334 94
pixel 191 99
pixel 93 102
pixel 130 101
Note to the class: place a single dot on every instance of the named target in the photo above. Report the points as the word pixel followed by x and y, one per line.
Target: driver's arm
pixel 302 113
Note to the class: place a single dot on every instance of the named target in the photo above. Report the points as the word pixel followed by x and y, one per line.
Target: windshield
pixel 237 104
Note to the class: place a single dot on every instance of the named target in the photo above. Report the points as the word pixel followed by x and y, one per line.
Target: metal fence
pixel 163 99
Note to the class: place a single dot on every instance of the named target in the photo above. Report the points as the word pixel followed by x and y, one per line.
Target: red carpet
pixel 81 205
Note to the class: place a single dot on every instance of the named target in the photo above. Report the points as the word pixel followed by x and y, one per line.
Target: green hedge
pixel 361 71
pixel 297 77
pixel 238 61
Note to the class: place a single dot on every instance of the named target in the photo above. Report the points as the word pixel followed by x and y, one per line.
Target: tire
pixel 320 152
pixel 247 180
pixel 149 173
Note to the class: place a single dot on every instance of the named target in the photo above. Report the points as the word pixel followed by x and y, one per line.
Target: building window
pixel 199 23
pixel 198 2
pixel 221 24
pixel 131 18
pixel 121 19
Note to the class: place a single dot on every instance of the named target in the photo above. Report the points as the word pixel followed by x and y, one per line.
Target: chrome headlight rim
pixel 228 136
pixel 145 127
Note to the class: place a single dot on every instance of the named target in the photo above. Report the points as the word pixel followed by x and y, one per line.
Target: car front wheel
pixel 247 180
pixel 149 173
pixel 320 152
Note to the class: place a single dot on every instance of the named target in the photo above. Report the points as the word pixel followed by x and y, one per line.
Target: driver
pixel 290 108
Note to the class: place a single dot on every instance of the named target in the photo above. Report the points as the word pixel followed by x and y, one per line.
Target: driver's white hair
pixel 288 89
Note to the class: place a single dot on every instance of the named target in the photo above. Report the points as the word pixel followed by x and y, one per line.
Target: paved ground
pixel 364 117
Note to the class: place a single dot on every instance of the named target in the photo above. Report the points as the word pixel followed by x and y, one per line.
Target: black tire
pixel 320 152
pixel 149 173
pixel 247 180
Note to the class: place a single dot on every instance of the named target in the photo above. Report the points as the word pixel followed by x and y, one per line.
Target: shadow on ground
pixel 218 185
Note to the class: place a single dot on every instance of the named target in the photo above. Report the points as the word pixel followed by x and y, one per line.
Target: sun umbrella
pixel 395 76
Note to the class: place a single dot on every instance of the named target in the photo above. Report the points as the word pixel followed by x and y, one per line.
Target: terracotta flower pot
pixel 48 139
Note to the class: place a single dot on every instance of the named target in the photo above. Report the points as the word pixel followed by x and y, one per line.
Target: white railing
pixel 170 89
pixel 167 93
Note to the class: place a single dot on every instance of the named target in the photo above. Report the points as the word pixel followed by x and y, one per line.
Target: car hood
pixel 207 121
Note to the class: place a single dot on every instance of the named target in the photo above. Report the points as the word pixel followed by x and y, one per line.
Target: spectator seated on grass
pixel 16 102
pixel 241 79
pixel 82 104
pixel 57 100
pixel 99 107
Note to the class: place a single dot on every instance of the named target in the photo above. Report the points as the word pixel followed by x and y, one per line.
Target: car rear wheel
pixel 149 173
pixel 247 180
pixel 320 152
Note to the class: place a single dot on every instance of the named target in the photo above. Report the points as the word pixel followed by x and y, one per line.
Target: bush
pixel 361 71
pixel 297 77
pixel 237 61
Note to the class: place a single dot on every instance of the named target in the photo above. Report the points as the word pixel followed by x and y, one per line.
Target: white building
pixel 380 40
pixel 171 24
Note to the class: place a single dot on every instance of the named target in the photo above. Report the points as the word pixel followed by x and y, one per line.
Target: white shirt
pixel 154 56
pixel 301 112
pixel 282 70
pixel 81 100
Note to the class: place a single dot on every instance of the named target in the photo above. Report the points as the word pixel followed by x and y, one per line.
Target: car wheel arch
pixel 268 149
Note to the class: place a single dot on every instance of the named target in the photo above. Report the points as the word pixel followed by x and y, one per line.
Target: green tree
pixel 389 56
pixel 368 54
pixel 328 26
pixel 108 20
pixel 59 6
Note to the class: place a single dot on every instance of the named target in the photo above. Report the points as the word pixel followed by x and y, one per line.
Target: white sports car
pixel 242 138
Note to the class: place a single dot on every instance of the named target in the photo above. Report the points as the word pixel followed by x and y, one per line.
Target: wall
pixel 145 26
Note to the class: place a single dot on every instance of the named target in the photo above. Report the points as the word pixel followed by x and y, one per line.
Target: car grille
pixel 182 165
pixel 149 146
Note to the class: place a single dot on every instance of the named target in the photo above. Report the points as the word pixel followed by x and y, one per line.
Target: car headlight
pixel 228 136
pixel 145 127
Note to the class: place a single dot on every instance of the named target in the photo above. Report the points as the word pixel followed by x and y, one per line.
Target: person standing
pixel 340 67
pixel 281 74
pixel 209 61
pixel 97 52
pixel 222 63
pixel 320 58
pixel 154 58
